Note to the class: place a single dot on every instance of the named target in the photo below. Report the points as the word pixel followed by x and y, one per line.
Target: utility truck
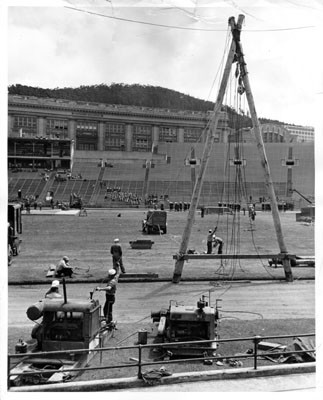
pixel 155 222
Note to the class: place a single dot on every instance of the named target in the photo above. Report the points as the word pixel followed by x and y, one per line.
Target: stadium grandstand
pixel 121 156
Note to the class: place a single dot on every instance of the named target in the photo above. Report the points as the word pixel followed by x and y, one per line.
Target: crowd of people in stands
pixel 116 194
pixel 67 176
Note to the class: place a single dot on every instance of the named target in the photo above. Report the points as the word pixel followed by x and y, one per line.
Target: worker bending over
pixel 209 240
pixel 63 268
pixel 217 242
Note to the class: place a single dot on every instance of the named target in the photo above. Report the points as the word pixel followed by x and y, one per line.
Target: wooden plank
pixel 227 256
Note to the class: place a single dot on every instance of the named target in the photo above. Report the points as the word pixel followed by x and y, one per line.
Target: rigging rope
pixel 234 187
pixel 209 121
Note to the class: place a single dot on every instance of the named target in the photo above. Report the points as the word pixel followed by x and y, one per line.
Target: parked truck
pixel 155 222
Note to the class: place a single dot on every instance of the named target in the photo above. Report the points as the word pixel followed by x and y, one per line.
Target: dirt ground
pixel 127 335
pixel 87 240
pixel 229 351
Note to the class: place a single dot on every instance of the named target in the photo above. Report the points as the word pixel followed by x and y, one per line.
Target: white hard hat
pixel 116 240
pixel 55 283
pixel 112 272
pixel 210 230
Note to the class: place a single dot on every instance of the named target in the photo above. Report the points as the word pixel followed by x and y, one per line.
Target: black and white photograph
pixel 161 170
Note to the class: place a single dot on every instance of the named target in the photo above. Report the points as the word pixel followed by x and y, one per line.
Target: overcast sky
pixel 174 44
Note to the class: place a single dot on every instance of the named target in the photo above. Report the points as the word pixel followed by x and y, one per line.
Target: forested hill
pixel 137 95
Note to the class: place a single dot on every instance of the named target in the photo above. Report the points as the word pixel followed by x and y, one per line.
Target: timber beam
pixel 185 257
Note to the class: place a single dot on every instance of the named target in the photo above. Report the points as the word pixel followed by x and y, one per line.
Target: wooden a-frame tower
pixel 235 55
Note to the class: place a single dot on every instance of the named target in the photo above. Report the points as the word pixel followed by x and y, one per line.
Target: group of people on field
pixel 64 269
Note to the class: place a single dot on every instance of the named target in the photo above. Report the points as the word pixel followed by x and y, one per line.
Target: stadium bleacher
pixel 28 186
pixel 170 175
pixel 85 170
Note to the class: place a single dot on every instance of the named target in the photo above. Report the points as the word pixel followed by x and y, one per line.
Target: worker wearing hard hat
pixel 37 331
pixel 217 243
pixel 116 252
pixel 63 268
pixel 53 292
pixel 209 240
pixel 110 294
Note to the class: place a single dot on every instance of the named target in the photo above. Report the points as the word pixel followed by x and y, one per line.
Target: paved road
pixel 289 383
pixel 250 300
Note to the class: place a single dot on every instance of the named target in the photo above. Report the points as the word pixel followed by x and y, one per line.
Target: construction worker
pixel 110 294
pixel 11 238
pixel 37 331
pixel 53 292
pixel 209 240
pixel 116 252
pixel 63 268
pixel 252 212
pixel 217 241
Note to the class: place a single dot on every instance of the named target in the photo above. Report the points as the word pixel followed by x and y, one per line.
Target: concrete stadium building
pixel 105 146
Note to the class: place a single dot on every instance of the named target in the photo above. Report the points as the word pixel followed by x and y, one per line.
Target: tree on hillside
pixel 136 95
